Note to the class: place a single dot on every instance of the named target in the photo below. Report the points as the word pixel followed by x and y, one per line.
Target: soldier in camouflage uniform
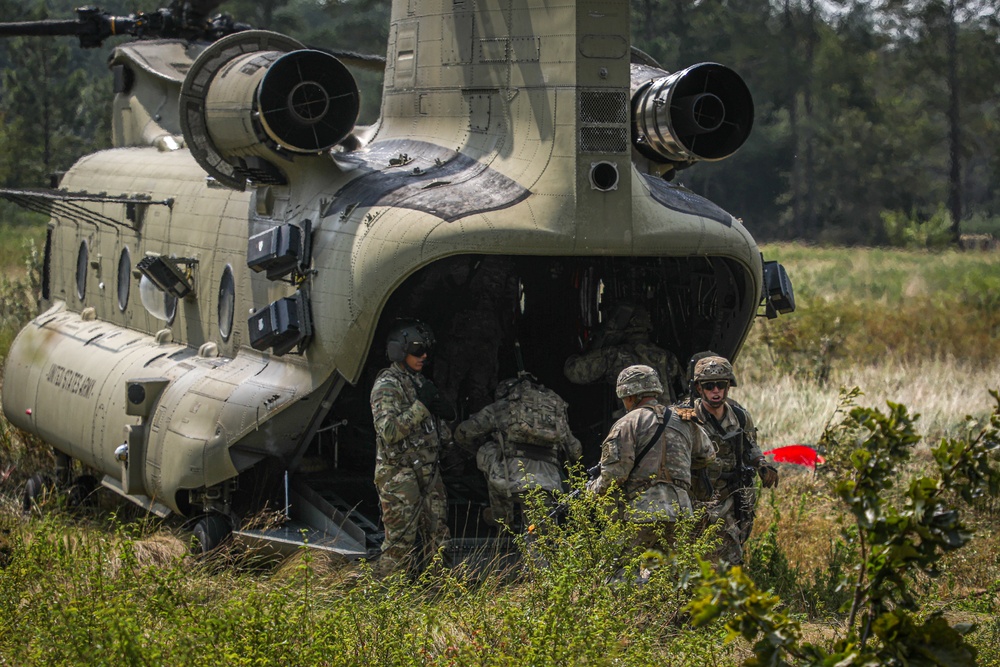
pixel 728 483
pixel 529 435
pixel 409 416
pixel 481 296
pixel 649 455
pixel 624 341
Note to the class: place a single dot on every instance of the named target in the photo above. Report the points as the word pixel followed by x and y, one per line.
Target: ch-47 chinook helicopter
pixel 218 286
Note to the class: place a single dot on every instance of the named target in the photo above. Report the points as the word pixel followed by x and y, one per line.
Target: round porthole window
pixel 227 302
pixel 82 257
pixel 124 279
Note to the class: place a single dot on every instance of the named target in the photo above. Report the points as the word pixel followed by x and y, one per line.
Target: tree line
pixel 870 116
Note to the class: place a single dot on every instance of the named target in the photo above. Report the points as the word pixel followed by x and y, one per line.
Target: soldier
pixel 529 434
pixel 649 455
pixel 623 341
pixel 729 480
pixel 409 414
pixel 481 296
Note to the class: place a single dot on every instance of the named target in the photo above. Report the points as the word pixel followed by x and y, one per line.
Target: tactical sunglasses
pixel 417 349
pixel 714 384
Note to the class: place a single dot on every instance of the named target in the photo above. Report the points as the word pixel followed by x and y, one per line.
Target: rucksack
pixel 537 416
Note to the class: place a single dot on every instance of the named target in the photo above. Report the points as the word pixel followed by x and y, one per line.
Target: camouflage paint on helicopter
pixel 214 323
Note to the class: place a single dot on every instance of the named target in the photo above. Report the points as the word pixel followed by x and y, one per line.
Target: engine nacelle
pixel 702 113
pixel 256 99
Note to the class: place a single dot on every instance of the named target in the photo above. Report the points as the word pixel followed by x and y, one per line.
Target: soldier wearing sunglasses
pixel 729 482
pixel 410 416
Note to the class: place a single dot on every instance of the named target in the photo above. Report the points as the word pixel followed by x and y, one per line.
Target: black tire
pixel 209 533
pixel 83 492
pixel 35 489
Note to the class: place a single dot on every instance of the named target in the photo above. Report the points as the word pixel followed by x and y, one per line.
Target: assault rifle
pixel 562 507
pixel 737 480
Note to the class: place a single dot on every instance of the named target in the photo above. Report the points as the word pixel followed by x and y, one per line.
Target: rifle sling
pixel 656 438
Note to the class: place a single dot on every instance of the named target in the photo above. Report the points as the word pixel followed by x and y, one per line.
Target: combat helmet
pixel 408 337
pixel 638 380
pixel 714 368
pixel 504 387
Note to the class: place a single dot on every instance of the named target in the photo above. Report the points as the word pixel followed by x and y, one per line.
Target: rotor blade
pixel 205 6
pixel 364 61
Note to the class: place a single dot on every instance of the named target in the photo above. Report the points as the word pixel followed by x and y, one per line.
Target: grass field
pixel 919 329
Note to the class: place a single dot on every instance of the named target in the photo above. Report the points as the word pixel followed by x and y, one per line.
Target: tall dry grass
pixel 790 409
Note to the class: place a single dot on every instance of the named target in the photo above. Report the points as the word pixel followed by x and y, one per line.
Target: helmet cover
pixel 504 387
pixel 638 380
pixel 714 368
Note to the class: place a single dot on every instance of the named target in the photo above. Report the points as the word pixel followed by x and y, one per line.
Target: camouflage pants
pixel 511 509
pixel 658 535
pixel 509 479
pixel 413 503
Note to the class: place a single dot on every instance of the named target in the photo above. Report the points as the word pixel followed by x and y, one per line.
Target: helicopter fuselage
pixel 227 301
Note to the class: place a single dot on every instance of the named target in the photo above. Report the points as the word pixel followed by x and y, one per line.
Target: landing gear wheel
pixel 35 489
pixel 210 531
pixel 82 492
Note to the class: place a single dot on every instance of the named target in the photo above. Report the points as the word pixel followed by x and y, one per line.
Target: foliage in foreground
pixel 901 546
pixel 19 295
pixel 72 595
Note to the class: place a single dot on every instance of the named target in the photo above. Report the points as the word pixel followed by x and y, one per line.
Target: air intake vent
pixel 603 139
pixel 604 121
pixel 603 107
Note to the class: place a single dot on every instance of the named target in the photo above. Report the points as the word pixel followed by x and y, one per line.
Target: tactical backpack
pixel 536 416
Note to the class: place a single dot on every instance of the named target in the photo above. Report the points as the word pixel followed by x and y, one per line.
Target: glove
pixel 430 396
pixel 768 476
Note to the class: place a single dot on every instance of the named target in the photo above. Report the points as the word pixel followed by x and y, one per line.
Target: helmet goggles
pixel 417 348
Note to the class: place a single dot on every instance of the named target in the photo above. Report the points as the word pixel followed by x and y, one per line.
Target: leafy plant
pixel 900 547
pixel 909 231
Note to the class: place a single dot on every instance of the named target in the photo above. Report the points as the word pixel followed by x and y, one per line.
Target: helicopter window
pixel 170 304
pixel 159 304
pixel 124 278
pixel 81 270
pixel 47 266
pixel 227 301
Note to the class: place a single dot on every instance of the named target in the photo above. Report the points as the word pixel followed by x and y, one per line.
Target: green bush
pixel 900 544
pixel 910 231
